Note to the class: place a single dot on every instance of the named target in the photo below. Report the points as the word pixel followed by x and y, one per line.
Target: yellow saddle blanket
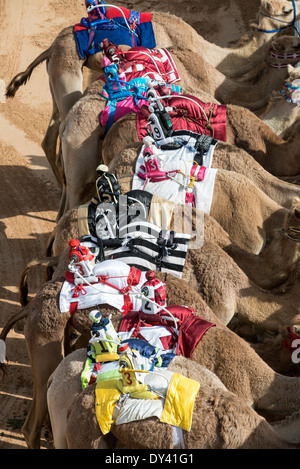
pixel 176 408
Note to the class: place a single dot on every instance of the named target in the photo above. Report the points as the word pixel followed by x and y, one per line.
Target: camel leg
pixel 45 345
pixel 43 362
pixel 63 387
pixel 49 143
pixel 62 204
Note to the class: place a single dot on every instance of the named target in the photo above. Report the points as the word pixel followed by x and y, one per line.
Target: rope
pixel 139 295
pixel 181 96
pixel 196 120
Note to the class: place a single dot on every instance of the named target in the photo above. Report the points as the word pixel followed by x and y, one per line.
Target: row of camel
pixel 247 267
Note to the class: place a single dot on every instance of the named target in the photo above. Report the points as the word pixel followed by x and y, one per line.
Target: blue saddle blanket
pixel 134 30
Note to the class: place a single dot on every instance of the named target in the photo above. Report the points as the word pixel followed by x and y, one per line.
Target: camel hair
pixel 65 68
pixel 221 419
pixel 240 369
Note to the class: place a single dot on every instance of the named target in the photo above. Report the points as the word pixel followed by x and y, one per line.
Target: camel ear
pixel 290 68
pixel 268 6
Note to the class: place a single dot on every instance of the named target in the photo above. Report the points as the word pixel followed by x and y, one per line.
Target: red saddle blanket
pixel 191 328
pixel 187 115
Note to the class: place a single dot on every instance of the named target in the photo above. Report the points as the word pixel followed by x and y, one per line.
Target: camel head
pixel 277 8
pixel 276 14
pixel 284 50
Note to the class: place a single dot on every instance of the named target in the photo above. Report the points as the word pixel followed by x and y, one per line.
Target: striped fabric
pixel 145 246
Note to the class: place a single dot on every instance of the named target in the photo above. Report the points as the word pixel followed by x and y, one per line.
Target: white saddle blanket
pixel 181 159
pixel 97 294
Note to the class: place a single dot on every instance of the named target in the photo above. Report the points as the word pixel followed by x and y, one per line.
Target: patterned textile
pixel 189 115
pixel 115 28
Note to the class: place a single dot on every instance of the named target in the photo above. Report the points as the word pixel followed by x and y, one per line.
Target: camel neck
pixel 267 310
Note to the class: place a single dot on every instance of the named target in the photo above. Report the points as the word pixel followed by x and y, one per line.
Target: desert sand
pixel 29 194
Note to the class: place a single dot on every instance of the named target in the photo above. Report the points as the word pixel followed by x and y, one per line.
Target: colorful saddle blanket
pixel 115 28
pixel 174 405
pixel 145 246
pixel 137 66
pixel 188 115
pixel 154 64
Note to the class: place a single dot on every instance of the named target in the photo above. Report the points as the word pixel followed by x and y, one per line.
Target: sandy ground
pixel 29 196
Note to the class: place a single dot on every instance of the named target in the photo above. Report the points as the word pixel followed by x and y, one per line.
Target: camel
pixel 87 138
pixel 47 344
pixel 274 349
pixel 243 129
pixel 253 94
pixel 81 138
pixel 214 404
pixel 274 267
pixel 64 65
pixel 230 188
pixel 271 267
pixel 240 60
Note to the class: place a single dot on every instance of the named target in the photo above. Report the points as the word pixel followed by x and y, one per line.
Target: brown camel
pixel 86 139
pixel 252 94
pixel 275 267
pixel 236 426
pixel 230 188
pixel 277 350
pixel 220 418
pixel 64 65
pixel 243 129
pixel 220 350
pixel 198 74
pixel 270 268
